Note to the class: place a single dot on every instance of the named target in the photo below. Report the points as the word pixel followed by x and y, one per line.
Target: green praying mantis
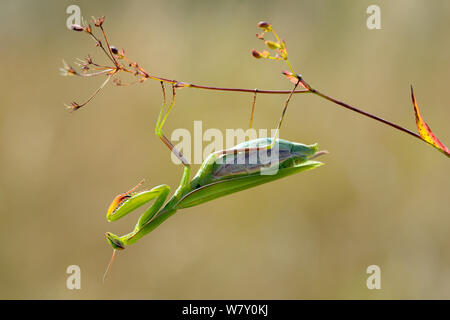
pixel 220 174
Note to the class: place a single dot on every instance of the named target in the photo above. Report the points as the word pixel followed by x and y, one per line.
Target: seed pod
pixel 76 27
pixel 272 45
pixel 257 54
pixel 98 22
pixel 114 49
pixel 264 25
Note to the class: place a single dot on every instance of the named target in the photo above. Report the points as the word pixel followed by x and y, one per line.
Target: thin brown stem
pixel 109 47
pixel 247 90
pixel 99 43
pixel 76 106
pixel 94 74
pixel 367 114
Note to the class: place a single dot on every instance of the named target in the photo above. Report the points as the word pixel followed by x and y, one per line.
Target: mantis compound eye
pixel 114 241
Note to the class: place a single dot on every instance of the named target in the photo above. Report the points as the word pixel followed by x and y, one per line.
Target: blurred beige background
pixel 382 198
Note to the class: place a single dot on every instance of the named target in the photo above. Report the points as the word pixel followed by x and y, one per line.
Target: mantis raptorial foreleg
pixel 159 193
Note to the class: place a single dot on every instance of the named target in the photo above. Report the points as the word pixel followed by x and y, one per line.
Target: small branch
pixel 109 47
pixel 247 90
pixel 367 114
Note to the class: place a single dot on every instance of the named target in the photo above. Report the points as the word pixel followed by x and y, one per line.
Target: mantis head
pixel 117 244
pixel 114 241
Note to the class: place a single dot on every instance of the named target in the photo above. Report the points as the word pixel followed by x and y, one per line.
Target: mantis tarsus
pixel 219 175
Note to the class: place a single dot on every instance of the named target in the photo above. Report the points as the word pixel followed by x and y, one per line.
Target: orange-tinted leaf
pixel 425 131
pixel 292 78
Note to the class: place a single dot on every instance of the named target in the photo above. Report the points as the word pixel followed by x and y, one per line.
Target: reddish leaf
pixel 425 131
pixel 293 78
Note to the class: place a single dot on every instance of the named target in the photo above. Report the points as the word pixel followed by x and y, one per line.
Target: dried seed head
pixel 265 26
pixel 88 29
pixel 99 21
pixel 260 36
pixel 114 49
pixel 73 106
pixel 67 70
pixel 257 54
pixel 76 27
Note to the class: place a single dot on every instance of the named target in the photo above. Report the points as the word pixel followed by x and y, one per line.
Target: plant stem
pixel 311 90
pixel 391 124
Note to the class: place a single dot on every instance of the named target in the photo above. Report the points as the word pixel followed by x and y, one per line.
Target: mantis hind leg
pixel 277 133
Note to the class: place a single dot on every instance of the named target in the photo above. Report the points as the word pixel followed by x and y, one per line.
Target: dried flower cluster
pixel 89 68
pixel 279 46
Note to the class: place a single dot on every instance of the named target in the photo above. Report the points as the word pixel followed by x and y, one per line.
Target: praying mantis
pixel 219 175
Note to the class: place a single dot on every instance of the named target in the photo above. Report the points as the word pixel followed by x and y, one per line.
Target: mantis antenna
pixel 109 266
